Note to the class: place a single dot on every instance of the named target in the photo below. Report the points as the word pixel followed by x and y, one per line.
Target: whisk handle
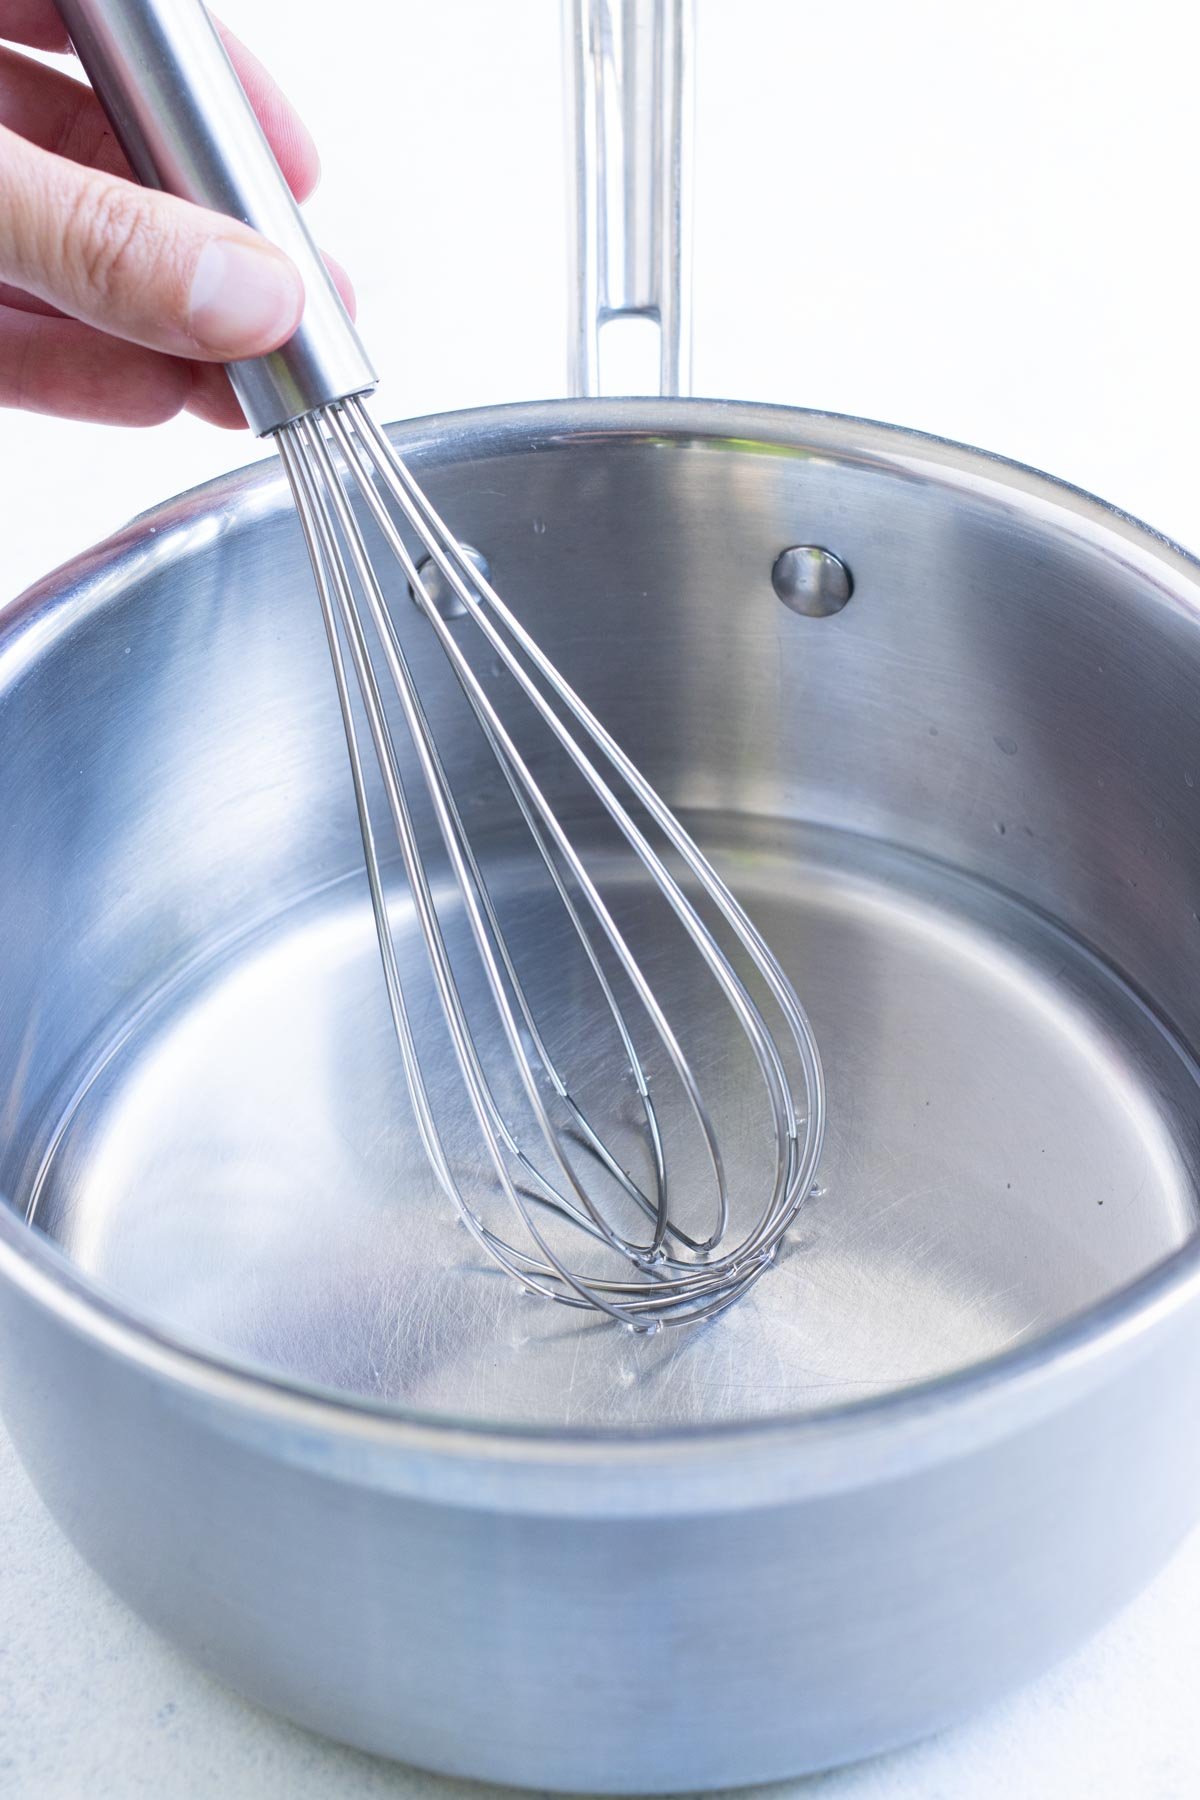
pixel 182 117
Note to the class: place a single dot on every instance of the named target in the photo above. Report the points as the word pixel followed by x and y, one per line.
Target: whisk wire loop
pixel 676 1276
pixel 329 515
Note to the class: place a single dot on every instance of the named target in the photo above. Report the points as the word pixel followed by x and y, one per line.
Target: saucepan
pixel 935 717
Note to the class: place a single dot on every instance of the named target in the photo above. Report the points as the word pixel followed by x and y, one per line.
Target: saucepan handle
pixel 182 117
pixel 629 129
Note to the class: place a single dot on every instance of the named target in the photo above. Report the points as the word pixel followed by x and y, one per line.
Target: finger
pixel 56 112
pixel 53 110
pixel 34 22
pixel 282 125
pixel 60 366
pixel 214 400
pixel 23 302
pixel 140 264
pixel 212 397
pixel 342 283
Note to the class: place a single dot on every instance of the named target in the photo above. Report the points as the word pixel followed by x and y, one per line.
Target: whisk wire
pixel 517 773
pixel 471 586
pixel 439 790
pixel 332 506
pixel 334 588
pixel 449 558
pixel 662 1285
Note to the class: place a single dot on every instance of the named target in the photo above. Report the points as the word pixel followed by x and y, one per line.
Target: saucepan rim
pixel 1086 1345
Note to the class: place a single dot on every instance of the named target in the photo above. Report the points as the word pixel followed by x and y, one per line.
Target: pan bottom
pixel 1009 1140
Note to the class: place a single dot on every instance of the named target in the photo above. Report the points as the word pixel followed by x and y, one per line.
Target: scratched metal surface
pixel 1003 1150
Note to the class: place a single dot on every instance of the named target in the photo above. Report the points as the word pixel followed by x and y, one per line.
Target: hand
pixel 118 303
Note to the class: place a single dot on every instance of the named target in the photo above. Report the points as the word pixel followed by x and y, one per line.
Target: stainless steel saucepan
pixel 935 716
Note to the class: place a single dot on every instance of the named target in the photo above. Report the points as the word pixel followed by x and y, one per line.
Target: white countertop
pixel 962 219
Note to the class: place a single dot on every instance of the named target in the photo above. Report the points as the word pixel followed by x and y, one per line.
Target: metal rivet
pixel 441 594
pixel 811 581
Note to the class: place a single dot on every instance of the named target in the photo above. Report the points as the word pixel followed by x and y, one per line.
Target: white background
pixel 978 220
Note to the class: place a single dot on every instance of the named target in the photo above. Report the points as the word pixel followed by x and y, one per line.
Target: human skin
pixel 118 303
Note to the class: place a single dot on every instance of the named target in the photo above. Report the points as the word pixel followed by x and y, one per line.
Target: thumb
pixel 139 264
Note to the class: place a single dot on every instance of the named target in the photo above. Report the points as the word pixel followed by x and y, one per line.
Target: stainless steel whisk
pixel 175 101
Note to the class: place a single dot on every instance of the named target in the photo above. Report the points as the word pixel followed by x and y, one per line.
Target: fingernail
pixel 245 300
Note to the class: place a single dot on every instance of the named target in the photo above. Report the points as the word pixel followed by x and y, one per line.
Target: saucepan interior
pixel 963 810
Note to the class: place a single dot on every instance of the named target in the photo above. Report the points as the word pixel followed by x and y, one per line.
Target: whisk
pixel 177 106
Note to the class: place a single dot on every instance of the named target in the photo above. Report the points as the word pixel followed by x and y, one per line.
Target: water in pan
pixel 1002 1151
